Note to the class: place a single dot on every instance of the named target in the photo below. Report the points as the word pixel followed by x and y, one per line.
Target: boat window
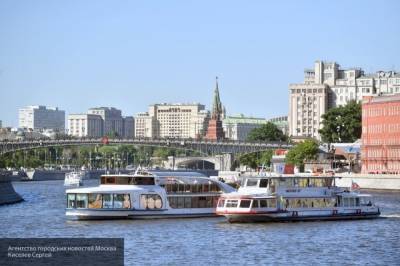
pixel 142 180
pixel 328 182
pixel 245 203
pixel 81 200
pixel 95 201
pixel 271 203
pixel 251 182
pixel 188 202
pixel 231 203
pixel 109 180
pixel 264 183
pixel 107 201
pixel 122 201
pixel 221 203
pixel 357 201
pixel 71 201
pixel 303 182
pixel 255 204
pixel 263 203
pixel 151 201
pixel 178 202
pixel 192 188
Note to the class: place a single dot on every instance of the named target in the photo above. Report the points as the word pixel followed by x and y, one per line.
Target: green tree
pixel 306 150
pixel 267 132
pixel 255 159
pixel 342 124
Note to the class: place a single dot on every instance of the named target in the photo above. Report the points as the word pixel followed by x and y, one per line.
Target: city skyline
pixel 79 55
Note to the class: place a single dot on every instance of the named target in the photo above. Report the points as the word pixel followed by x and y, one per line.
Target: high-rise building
pixel 40 117
pixel 101 121
pixel 215 130
pixel 129 127
pixel 380 151
pixel 85 125
pixel 1 124
pixel 172 121
pixel 113 123
pixel 239 127
pixel 326 86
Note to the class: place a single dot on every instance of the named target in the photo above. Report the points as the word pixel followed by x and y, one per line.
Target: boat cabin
pixel 140 180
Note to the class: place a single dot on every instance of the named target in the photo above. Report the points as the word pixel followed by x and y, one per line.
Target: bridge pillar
pixel 223 162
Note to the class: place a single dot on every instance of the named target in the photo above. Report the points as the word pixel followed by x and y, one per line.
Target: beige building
pixel 326 86
pixel 172 121
pixel 85 125
pixel 239 127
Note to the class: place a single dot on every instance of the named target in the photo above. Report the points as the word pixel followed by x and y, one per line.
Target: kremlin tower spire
pixel 215 131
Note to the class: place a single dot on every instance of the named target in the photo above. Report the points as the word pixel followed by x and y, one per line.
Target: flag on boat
pixel 354 185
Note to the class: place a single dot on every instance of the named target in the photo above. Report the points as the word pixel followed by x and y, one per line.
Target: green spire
pixel 217 106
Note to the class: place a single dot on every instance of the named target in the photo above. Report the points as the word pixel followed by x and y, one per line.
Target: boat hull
pixel 87 214
pixel 250 218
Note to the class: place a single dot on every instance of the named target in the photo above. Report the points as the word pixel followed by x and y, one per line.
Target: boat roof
pixel 110 188
pixel 308 175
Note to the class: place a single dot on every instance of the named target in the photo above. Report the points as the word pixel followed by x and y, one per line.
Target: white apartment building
pixel 172 121
pixel 113 122
pixel 41 117
pixel 85 125
pixel 145 125
pixel 334 87
pixel 239 127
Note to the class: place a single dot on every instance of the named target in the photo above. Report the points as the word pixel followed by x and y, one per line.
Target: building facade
pixel 172 121
pixel 129 127
pixel 380 152
pixel 239 127
pixel 281 122
pixel 40 117
pixel 113 122
pixel 101 121
pixel 327 86
pixel 85 125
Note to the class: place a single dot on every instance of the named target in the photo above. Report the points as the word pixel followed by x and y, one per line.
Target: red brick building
pixel 380 152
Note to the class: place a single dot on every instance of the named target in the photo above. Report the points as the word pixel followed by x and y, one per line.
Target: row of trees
pixel 110 156
pixel 340 124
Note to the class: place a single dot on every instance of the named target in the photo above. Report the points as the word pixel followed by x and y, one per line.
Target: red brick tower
pixel 215 131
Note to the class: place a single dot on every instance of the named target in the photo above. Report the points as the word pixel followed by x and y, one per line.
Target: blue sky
pixel 129 54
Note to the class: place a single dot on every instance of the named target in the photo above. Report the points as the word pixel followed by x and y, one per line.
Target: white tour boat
pixel 294 198
pixel 147 195
pixel 74 178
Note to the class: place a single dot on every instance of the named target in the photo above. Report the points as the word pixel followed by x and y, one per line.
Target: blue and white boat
pixel 147 195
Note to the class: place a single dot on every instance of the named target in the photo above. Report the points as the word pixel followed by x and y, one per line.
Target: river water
pixel 213 241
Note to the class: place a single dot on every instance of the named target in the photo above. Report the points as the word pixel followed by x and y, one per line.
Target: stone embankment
pixel 369 181
pixel 7 192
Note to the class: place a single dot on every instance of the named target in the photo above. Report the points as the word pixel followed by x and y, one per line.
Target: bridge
pixel 203 146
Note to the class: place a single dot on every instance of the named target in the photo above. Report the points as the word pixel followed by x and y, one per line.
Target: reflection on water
pixel 212 240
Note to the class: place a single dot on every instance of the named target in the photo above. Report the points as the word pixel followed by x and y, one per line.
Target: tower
pixel 215 131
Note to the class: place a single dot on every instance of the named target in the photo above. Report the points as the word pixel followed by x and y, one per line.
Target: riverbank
pixel 368 181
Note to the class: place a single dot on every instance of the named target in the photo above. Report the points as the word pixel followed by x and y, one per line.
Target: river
pixel 213 241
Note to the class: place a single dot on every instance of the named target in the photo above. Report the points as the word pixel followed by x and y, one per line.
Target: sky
pixel 130 54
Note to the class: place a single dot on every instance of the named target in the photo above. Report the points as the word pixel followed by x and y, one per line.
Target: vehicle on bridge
pixel 147 195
